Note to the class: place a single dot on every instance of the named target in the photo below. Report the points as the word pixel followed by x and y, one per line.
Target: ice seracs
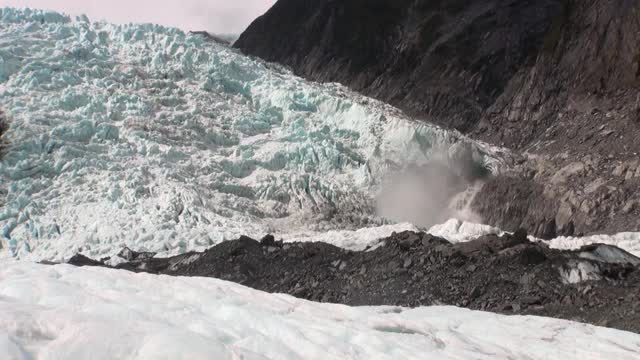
pixel 145 136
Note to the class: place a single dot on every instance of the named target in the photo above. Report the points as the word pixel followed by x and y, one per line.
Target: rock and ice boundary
pixel 597 284
pixel 150 137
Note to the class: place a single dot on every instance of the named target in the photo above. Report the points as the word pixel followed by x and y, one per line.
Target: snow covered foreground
pixel 62 312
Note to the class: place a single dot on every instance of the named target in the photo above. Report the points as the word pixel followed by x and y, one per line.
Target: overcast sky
pixel 220 16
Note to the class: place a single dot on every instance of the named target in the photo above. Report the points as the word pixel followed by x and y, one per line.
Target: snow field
pixel 62 312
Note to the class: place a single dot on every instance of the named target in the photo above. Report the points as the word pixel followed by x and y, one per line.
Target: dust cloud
pixel 430 194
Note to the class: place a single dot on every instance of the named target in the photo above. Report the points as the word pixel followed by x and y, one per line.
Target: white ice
pixel 628 241
pixel 145 136
pixel 456 230
pixel 357 240
pixel 62 312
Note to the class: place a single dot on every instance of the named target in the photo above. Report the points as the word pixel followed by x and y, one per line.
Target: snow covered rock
pixel 628 241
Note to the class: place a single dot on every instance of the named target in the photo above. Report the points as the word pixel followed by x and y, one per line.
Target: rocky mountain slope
pixel 556 80
pixel 448 60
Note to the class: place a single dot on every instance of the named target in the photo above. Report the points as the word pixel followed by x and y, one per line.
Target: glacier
pixel 63 312
pixel 152 138
pixel 147 136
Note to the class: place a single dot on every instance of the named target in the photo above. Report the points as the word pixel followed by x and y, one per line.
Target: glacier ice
pixel 147 136
pixel 615 248
pixel 456 230
pixel 628 241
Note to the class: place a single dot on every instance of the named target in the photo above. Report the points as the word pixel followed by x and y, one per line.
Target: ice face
pixel 609 254
pixel 579 271
pixel 146 136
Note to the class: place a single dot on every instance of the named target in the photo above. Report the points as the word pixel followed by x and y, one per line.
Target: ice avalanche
pixel 147 136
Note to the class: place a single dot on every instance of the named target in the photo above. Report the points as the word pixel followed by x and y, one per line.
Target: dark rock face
pixel 501 274
pixel 4 125
pixel 505 70
pixel 130 255
pixel 582 89
pixel 211 37
pixel 81 260
pixel 556 78
pixel 447 61
pixel 522 205
pixel 577 109
pixel 560 195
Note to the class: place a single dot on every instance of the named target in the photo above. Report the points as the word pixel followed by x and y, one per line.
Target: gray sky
pixel 220 16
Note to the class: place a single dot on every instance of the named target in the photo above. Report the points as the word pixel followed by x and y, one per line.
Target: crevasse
pixel 146 136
